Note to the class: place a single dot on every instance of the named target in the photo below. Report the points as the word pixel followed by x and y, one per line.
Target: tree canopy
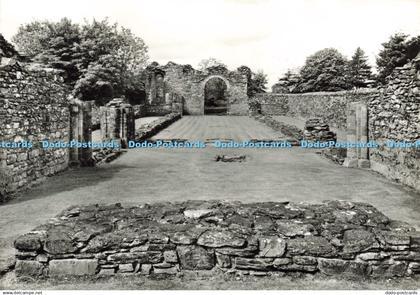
pixel 100 59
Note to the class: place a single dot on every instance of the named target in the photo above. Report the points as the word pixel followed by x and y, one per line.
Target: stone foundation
pixel 335 238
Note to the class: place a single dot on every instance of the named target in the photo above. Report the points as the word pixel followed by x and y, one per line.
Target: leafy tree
pixel 359 70
pixel 210 63
pixel 395 53
pixel 101 59
pixel 324 71
pixel 258 83
pixel 287 83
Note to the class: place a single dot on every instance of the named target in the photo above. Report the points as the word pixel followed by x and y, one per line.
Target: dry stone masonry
pixel 335 238
pixel 394 115
pixel 317 130
pixel 330 106
pixel 33 107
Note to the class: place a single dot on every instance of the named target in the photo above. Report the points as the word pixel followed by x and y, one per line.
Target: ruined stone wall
pixel 190 83
pixel 33 107
pixel 336 239
pixel 330 106
pixel 394 115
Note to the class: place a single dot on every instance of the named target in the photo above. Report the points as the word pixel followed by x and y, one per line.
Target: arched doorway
pixel 215 96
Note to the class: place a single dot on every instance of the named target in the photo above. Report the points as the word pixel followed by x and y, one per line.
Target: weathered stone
pixel 358 240
pixel 223 260
pixel 158 238
pixel 217 239
pixel 146 269
pixel 59 241
pixel 28 242
pixel 305 260
pixel 413 267
pixel 42 258
pixel 281 261
pixel 343 267
pixel 73 267
pixel 195 258
pixel 389 270
pixel 125 267
pixel 197 213
pixel 162 265
pixel 332 266
pixel 294 228
pixel 183 238
pixel 272 247
pixel 170 256
pixel 372 256
pixel 393 238
pixel 254 263
pixel 28 268
pixel 311 245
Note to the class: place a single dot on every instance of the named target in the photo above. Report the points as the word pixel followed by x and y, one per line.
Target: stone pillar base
pixel 351 163
pixel 363 163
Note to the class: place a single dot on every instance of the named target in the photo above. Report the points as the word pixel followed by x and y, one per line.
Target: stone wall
pixel 330 106
pixel 33 107
pixel 335 238
pixel 394 115
pixel 189 83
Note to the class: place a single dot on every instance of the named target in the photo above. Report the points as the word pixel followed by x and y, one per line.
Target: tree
pixel 325 70
pixel 258 83
pixel 287 83
pixel 359 70
pixel 100 59
pixel 395 53
pixel 210 63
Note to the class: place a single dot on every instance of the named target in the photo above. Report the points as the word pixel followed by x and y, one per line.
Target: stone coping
pixel 335 238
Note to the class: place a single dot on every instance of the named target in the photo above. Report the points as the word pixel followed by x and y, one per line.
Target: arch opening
pixel 215 97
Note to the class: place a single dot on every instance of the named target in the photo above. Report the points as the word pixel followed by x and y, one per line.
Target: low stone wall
pixel 148 130
pixel 335 238
pixel 394 115
pixel 294 133
pixel 330 106
pixel 33 108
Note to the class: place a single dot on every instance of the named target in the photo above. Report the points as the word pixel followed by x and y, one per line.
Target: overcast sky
pixel 271 35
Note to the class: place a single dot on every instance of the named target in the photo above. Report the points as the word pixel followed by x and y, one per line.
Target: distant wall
pixel 331 106
pixel 394 115
pixel 33 107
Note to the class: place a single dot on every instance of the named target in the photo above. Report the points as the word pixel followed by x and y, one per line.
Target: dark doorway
pixel 215 100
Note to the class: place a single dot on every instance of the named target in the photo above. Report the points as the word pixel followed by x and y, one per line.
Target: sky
pixel 268 35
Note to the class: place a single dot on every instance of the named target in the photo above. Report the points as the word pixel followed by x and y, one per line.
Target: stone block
pixel 28 242
pixel 220 238
pixel 223 260
pixel 145 269
pixel 263 264
pixel 305 260
pixel 272 247
pixel 358 240
pixel 281 261
pixel 195 258
pixel 28 268
pixel 311 245
pixel 170 256
pixel 125 267
pixel 73 267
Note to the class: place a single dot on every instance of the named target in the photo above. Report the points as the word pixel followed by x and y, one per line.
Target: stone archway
pixel 215 94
